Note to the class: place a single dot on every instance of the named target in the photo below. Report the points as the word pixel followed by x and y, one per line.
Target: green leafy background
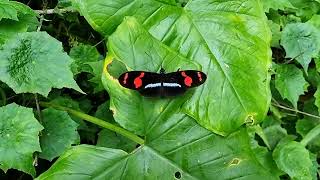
pixel 65 116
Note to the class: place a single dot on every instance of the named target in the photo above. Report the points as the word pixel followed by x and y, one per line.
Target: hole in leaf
pixel 177 175
pixel 138 145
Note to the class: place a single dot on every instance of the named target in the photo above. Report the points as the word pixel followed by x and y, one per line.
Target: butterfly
pixel 162 84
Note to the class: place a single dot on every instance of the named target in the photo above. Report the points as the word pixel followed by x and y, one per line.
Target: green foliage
pixel 294 159
pixel 206 156
pixel 34 63
pixel 301 42
pixel 249 120
pixel 19 139
pixel 59 134
pixel 290 83
pixel 81 55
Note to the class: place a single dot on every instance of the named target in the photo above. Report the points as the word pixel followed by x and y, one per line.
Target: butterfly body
pixel 162 84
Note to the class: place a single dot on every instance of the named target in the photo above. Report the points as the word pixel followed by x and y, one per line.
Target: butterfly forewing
pixel 137 80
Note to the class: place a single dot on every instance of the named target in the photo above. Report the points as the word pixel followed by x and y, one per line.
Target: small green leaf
pixel 35 62
pixel 103 112
pixel 290 82
pixel 110 139
pixel 70 103
pixel 274 134
pixel 7 10
pixel 82 54
pixel 317 96
pixel 9 27
pixel 97 68
pixel 276 34
pixel 276 4
pixel 301 42
pixel 19 139
pixel 294 159
pixel 303 127
pixel 59 134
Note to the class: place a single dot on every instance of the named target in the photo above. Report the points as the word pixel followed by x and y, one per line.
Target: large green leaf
pixel 35 62
pixel 190 151
pixel 59 134
pixel 290 82
pixel 227 40
pixel 301 42
pixel 19 138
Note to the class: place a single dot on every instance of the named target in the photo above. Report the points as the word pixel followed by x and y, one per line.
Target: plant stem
pixel 38 107
pixel 3 96
pixel 295 110
pixel 311 135
pixel 97 121
pixel 53 11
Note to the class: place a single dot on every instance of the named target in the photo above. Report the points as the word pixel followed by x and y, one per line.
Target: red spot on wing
pixel 125 78
pixel 138 81
pixel 199 76
pixel 187 79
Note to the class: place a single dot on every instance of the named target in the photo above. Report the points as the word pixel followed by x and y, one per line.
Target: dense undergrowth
pixel 64 115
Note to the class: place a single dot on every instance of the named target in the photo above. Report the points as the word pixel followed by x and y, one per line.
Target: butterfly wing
pixel 137 80
pixel 187 78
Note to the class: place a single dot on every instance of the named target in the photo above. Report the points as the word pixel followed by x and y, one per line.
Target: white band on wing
pixel 164 84
pixel 153 85
pixel 171 85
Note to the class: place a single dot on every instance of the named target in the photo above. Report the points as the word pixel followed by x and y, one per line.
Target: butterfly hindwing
pixel 187 78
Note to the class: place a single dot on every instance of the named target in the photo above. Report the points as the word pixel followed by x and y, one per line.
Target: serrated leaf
pixel 191 46
pixel 9 27
pixel 7 10
pixel 59 134
pixel 301 41
pixel 11 10
pixel 190 150
pixel 109 139
pixel 294 159
pixel 82 54
pixel 305 9
pixel 19 138
pixel 290 82
pixel 35 62
pixel 276 5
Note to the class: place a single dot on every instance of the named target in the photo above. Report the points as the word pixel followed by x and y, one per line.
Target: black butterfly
pixel 162 84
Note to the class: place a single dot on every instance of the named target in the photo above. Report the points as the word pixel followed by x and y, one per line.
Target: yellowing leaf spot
pixel 250 119
pixel 234 161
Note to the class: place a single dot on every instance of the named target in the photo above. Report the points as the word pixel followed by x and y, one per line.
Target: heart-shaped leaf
pixel 227 40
